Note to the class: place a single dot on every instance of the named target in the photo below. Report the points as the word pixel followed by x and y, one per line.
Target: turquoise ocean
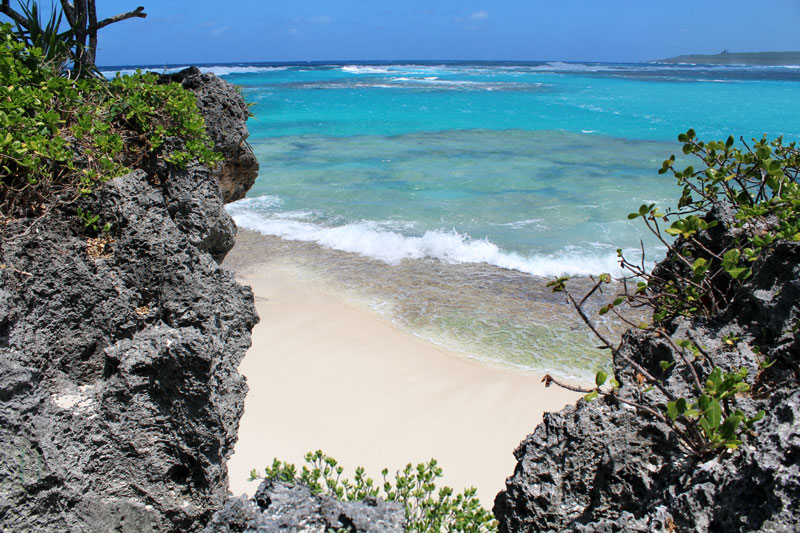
pixel 443 195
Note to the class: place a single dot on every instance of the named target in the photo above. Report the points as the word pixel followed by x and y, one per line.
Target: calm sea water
pixel 442 194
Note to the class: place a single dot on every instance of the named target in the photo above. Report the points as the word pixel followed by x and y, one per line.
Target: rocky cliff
pixel 119 391
pixel 601 466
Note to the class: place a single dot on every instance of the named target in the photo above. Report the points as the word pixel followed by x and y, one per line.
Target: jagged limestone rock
pixel 601 467
pixel 279 506
pixel 119 392
pixel 225 113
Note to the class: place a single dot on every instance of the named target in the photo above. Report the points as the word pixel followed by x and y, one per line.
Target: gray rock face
pixel 119 392
pixel 225 114
pixel 601 467
pixel 279 506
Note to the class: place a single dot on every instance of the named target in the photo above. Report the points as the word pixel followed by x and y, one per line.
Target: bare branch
pixel 588 322
pixel 686 361
pixel 548 380
pixel 5 9
pixel 639 368
pixel 137 13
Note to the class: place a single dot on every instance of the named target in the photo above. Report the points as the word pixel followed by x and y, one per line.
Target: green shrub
pixel 62 137
pixel 757 189
pixel 426 510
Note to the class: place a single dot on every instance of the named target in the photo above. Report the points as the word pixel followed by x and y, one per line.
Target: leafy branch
pixel 731 212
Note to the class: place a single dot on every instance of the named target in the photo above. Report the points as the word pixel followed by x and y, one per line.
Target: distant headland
pixel 739 58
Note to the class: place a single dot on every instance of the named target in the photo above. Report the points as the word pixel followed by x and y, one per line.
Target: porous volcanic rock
pixel 600 466
pixel 119 392
pixel 225 113
pixel 279 506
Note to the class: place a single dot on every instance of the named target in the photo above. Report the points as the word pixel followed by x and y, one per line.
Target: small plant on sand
pixel 734 208
pixel 426 510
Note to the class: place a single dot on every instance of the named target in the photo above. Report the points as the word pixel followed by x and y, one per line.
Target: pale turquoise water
pixel 542 161
pixel 449 174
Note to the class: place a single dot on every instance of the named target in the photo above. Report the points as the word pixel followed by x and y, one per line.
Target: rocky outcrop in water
pixel 600 466
pixel 119 391
pixel 278 506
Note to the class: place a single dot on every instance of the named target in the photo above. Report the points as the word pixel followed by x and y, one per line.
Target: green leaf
pixel 728 429
pixel 672 411
pixel 706 427
pixel 591 396
pixel 699 265
pixel 714 413
pixel 740 273
pixel 600 378
pixel 731 258
pixel 703 402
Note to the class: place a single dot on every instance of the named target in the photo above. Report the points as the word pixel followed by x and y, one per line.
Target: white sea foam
pixel 263 202
pixel 517 224
pixel 223 70
pixel 557 66
pixel 219 70
pixel 364 69
pixel 373 239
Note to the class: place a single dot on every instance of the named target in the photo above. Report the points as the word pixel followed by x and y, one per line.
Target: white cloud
pixel 216 33
pixel 322 19
pixel 475 20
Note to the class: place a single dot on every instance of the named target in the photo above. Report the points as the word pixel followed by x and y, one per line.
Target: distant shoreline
pixel 772 59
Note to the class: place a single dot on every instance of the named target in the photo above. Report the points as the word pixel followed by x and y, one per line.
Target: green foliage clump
pixel 720 431
pixel 756 191
pixel 758 185
pixel 63 137
pixel 414 487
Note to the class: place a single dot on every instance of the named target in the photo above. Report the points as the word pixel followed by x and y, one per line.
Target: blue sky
pixel 568 30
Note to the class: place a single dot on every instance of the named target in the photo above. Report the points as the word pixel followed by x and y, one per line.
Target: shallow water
pixel 444 195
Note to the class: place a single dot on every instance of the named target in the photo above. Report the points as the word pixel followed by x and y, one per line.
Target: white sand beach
pixel 326 375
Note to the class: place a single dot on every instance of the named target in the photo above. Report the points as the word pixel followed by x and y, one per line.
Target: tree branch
pixel 5 9
pixel 687 440
pixel 138 13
